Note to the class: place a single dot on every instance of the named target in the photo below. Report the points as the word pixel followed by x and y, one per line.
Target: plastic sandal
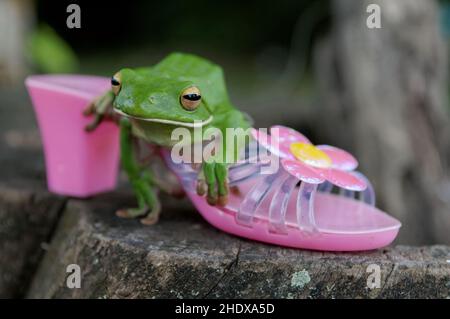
pixel 313 201
pixel 77 163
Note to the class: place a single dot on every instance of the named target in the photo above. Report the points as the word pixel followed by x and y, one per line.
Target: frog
pixel 181 91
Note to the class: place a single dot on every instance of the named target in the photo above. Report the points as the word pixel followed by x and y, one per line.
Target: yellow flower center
pixel 310 154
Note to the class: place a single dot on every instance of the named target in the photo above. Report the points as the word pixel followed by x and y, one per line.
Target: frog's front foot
pixel 100 108
pixel 213 181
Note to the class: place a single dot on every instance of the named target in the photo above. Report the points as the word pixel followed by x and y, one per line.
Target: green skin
pixel 149 105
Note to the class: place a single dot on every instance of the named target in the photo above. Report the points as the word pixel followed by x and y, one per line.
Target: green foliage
pixel 50 53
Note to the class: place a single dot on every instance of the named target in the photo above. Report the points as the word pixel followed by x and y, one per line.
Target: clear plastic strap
pixel 251 202
pixel 368 195
pixel 346 193
pixel 305 207
pixel 279 205
pixel 189 184
pixel 240 173
pixel 325 187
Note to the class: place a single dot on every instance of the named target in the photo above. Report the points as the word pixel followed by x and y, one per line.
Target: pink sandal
pixel 313 201
pixel 77 163
pixel 316 203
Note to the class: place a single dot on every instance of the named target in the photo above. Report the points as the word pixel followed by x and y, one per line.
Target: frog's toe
pixel 202 188
pixel 211 199
pixel 222 184
pixel 152 217
pixel 211 183
pixel 131 212
pixel 98 118
pixel 211 196
pixel 150 220
pixel 89 110
pixel 222 200
pixel 122 213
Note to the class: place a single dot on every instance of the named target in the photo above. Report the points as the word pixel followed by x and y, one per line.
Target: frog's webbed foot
pixel 149 206
pixel 100 107
pixel 132 212
pixel 153 216
pixel 149 216
pixel 213 181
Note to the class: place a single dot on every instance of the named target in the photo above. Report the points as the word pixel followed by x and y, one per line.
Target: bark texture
pixel 27 219
pixel 184 257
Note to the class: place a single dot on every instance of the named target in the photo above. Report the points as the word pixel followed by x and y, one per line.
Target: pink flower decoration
pixel 309 163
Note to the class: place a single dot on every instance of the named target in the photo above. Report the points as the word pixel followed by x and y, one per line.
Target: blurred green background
pixel 259 44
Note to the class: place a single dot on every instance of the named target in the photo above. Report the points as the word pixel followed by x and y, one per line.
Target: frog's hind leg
pixel 151 199
pixel 153 215
pixel 141 179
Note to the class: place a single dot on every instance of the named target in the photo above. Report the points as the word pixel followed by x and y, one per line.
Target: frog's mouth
pixel 169 122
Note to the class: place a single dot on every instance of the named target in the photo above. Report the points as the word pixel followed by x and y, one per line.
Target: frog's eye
pixel 190 98
pixel 116 83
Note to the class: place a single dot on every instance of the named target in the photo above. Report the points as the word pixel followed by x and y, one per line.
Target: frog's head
pixel 159 98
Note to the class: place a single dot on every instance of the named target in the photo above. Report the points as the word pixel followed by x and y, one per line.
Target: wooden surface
pixel 184 257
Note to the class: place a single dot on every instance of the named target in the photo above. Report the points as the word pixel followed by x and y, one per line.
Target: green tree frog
pixel 182 90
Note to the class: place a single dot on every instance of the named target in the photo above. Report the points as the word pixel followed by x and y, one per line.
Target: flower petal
pixel 288 135
pixel 344 179
pixel 302 172
pixel 311 155
pixel 272 144
pixel 341 159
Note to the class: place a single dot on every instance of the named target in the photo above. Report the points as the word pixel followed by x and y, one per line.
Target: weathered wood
pixel 184 257
pixel 27 219
pixel 384 97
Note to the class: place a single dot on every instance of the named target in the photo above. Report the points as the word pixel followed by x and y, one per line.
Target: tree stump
pixel 184 257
